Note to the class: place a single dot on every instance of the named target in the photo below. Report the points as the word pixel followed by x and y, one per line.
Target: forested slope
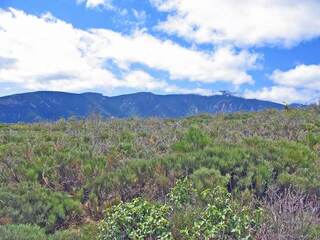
pixel 230 176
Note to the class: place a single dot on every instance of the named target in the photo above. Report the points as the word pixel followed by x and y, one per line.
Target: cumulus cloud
pixel 282 94
pixel 135 78
pixel 302 76
pixel 242 23
pixel 47 53
pixel 96 3
pixel 223 64
pixel 300 84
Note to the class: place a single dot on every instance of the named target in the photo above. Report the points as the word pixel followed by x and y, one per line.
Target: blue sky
pixel 260 49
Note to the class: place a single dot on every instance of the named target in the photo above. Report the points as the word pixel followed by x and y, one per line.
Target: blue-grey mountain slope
pixel 51 106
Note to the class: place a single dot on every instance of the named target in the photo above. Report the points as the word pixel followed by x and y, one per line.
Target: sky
pixel 263 49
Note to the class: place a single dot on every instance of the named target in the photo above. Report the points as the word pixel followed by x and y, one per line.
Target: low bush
pixel 223 218
pixel 22 232
pixel 138 219
pixel 33 204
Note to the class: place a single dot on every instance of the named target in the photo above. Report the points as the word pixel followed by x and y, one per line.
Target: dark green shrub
pixel 85 232
pixel 22 232
pixel 65 235
pixel 33 204
pixel 194 139
pixel 205 178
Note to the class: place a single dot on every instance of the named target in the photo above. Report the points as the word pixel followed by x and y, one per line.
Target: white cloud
pixel 302 76
pixel 282 94
pixel 243 23
pixel 97 3
pixel 143 81
pixel 300 84
pixel 224 64
pixel 141 16
pixel 47 53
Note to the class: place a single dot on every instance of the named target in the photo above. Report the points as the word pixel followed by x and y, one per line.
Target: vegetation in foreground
pixel 232 176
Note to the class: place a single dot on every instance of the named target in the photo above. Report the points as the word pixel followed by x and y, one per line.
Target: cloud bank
pixel 48 53
pixel 242 23
pixel 300 84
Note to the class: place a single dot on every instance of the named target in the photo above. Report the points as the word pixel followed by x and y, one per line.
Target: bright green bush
pixel 138 219
pixel 182 194
pixel 222 218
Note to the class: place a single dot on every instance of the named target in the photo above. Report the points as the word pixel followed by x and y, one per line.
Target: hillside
pixel 232 176
pixel 51 106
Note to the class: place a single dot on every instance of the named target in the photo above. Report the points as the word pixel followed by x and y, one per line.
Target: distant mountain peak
pixel 92 93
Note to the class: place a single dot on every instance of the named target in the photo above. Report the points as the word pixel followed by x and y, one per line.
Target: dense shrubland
pixel 233 176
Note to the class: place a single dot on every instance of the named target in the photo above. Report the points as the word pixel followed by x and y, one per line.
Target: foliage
pixel 32 204
pixel 205 178
pixel 34 232
pixel 182 194
pixel 64 174
pixel 194 139
pixel 218 215
pixel 21 232
pixel 138 219
pixel 218 218
pixel 222 218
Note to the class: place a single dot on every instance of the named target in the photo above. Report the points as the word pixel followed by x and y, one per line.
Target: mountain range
pixel 51 106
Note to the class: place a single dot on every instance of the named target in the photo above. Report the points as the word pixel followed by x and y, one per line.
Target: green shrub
pixel 204 178
pixel 209 214
pixel 89 231
pixel 138 219
pixel 194 139
pixel 182 194
pixel 33 204
pixel 314 232
pixel 85 232
pixel 22 232
pixel 65 235
pixel 222 219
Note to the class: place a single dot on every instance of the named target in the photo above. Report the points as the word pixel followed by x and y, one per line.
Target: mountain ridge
pixel 51 105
